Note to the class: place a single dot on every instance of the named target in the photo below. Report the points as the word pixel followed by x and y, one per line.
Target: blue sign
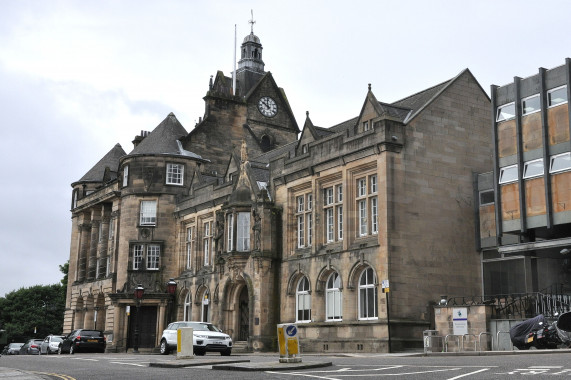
pixel 291 330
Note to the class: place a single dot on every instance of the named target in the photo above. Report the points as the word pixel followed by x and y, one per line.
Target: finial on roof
pixel 252 22
pixel 210 83
pixel 369 87
pixel 243 152
pixel 306 113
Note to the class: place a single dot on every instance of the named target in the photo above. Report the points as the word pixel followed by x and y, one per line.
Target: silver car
pixel 50 344
pixel 206 338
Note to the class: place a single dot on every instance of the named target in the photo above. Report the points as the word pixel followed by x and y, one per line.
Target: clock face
pixel 267 106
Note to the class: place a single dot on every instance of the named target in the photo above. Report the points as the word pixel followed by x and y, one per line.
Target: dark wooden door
pixel 147 326
pixel 244 315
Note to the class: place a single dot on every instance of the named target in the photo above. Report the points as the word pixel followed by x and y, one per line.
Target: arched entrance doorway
pixel 244 315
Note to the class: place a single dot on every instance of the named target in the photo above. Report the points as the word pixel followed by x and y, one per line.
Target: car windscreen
pixel 203 327
pixel 56 339
pixel 90 333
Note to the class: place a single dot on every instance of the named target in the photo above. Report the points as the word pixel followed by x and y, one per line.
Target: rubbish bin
pixel 432 341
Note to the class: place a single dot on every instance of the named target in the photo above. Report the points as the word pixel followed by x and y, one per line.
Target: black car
pixel 83 340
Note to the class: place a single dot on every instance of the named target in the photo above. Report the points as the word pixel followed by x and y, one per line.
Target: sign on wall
pixel 460 320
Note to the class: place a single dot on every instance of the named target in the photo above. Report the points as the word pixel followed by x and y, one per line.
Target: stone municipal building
pixel 262 221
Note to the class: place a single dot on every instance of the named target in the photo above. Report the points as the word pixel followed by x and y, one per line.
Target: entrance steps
pixel 240 346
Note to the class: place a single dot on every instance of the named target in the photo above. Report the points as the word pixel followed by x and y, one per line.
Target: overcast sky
pixel 77 77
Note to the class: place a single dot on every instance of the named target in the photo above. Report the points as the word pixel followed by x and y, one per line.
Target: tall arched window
pixel 333 303
pixel 303 300
pixel 368 295
pixel 266 143
pixel 187 304
pixel 205 317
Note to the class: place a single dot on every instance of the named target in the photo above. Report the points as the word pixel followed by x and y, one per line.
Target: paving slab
pixel 271 366
pixel 182 363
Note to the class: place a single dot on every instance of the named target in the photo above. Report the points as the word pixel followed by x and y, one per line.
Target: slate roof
pixel 418 101
pixel 277 152
pixel 344 125
pixel 110 160
pixel 164 139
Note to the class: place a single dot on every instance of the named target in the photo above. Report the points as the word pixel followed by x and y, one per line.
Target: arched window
pixel 266 143
pixel 187 304
pixel 205 317
pixel 333 303
pixel 368 295
pixel 303 300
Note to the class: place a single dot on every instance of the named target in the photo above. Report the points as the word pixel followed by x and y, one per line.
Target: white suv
pixel 207 338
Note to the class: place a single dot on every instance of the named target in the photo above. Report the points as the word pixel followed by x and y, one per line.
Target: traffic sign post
pixel 288 343
pixel 385 286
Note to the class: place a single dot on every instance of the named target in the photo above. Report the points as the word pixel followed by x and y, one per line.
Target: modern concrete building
pixel 259 227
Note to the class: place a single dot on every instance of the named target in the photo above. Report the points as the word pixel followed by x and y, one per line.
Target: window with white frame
pixel 368 295
pixel 190 235
pixel 207 242
pixel 138 250
pixel 557 96
pixel 367 205
pixel 153 256
pixel 560 162
pixel 149 254
pixel 505 112
pixel 187 307
pixel 75 195
pixel 304 220
pixel 230 232
pixel 530 104
pixel 107 266
pixel 486 197
pixel 333 212
pixel 100 231
pixel 175 174
pixel 508 174
pixel 125 175
pixel 333 305
pixel 148 213
pixel 533 168
pixel 243 232
pixel 303 301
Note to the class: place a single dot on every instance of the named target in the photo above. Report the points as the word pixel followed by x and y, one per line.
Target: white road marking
pixel 135 364
pixel 468 374
pixel 88 360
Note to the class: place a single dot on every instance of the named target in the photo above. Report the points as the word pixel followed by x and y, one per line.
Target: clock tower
pixel 250 66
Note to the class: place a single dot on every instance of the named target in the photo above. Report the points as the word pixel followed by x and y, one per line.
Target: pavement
pixel 240 363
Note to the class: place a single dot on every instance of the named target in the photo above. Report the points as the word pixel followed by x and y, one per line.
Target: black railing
pixel 519 305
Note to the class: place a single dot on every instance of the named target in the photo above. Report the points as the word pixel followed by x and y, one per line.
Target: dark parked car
pixel 50 345
pixel 32 347
pixel 83 340
pixel 13 348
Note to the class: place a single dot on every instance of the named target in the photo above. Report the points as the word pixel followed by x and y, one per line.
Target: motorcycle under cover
pixel 519 332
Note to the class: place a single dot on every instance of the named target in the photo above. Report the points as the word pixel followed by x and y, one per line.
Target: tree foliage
pixel 38 308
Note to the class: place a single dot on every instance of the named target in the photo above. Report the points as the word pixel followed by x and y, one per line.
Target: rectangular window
pixel 506 112
pixel 373 183
pixel 533 168
pixel 300 204
pixel 329 196
pixel 365 126
pixel 108 266
pixel 175 174
pixel 97 271
pixel 230 237
pixel 304 149
pixel 100 232
pixel 330 224
pixel 486 197
pixel 374 224
pixel 153 256
pixel 362 218
pixel 339 193
pixel 361 187
pixel 243 232
pixel 530 105
pixel 137 256
pixel 125 175
pixel 309 202
pixel 560 162
pixel 207 242
pixel 148 213
pixel 508 174
pixel 340 222
pixel 189 246
pixel 300 231
pixel 557 96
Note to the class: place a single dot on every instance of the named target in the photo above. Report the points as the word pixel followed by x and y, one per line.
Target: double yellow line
pixel 60 376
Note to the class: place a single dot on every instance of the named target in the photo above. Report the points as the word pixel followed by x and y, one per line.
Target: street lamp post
pixel 139 291
pixel 171 290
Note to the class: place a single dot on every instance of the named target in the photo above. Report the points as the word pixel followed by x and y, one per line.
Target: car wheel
pixel 71 350
pixel 226 352
pixel 59 350
pixel 164 348
pixel 40 351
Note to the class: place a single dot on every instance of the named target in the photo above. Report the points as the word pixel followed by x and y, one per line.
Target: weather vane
pixel 252 21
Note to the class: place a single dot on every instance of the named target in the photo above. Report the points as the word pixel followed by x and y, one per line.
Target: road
pixel 87 366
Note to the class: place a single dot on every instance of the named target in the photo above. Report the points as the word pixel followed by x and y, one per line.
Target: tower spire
pixel 252 22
